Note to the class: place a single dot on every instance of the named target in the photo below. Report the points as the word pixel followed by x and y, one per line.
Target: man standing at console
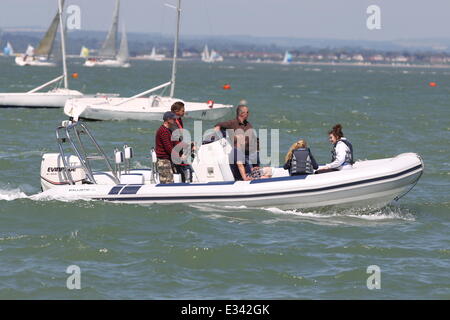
pixel 240 122
pixel 240 125
pixel 163 148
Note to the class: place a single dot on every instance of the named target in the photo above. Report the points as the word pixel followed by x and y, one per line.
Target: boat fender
pixel 128 152
pixel 154 158
pixel 118 155
pixel 66 123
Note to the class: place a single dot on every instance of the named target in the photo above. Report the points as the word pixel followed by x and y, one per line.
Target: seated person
pixel 240 164
pixel 253 157
pixel 342 153
pixel 299 159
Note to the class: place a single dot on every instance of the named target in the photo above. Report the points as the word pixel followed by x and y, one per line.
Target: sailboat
pixel 287 58
pixel 42 54
pixel 108 56
pixel 84 53
pixel 55 98
pixel 8 50
pixel 149 108
pixel 211 57
pixel 156 57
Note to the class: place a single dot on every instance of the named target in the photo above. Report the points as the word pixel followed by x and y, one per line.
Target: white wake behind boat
pixel 370 183
pixel 55 98
pixel 139 107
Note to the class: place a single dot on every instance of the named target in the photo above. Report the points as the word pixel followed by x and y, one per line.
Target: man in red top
pixel 163 148
pixel 178 109
pixel 182 168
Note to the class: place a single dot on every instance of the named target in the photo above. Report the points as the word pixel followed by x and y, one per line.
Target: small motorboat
pixel 370 183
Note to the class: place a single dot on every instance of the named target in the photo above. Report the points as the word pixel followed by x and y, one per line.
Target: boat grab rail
pixel 64 133
pixel 144 93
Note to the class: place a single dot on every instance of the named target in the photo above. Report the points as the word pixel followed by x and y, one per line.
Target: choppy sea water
pixel 224 252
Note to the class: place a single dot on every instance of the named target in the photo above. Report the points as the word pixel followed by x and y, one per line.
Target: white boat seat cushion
pixel 132 178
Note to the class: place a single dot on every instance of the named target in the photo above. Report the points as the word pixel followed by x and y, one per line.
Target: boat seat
pixel 104 178
pixel 147 173
pixel 132 178
pixel 227 174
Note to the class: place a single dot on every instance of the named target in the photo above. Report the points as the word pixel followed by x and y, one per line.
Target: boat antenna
pixel 63 44
pixel 175 50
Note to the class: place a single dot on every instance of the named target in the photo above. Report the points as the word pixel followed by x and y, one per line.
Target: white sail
pixel 123 54
pixel 30 51
pixel 205 54
pixel 108 49
pixel 211 57
pixel 10 48
pixel 287 58
pixel 154 56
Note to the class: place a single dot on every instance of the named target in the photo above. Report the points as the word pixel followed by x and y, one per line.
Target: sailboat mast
pixel 63 43
pixel 175 50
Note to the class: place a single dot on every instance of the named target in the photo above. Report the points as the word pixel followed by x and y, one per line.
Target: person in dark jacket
pixel 299 159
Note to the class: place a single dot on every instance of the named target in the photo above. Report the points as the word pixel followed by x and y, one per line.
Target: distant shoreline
pixel 357 64
pixel 305 63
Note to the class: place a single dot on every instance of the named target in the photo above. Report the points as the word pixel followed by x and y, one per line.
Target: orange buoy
pixel 432 84
pixel 210 103
pixel 75 75
pixel 226 86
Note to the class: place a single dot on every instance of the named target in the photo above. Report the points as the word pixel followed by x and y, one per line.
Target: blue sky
pixel 330 19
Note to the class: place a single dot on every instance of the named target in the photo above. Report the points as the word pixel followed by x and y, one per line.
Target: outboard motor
pixel 53 173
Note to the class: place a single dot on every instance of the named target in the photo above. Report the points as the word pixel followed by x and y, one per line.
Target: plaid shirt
pixel 164 143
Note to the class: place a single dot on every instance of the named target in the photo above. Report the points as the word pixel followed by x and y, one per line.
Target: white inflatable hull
pixel 371 183
pixel 146 109
pixel 52 99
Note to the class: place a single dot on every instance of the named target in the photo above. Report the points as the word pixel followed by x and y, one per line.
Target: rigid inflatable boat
pixel 372 183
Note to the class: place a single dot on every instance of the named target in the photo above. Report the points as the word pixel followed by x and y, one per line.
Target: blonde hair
pixel 295 146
